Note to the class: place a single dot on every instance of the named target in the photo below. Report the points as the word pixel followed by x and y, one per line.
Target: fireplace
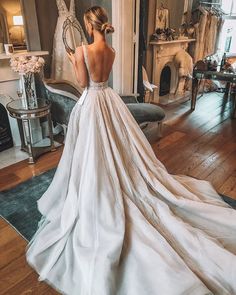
pixel 165 72
pixel 6 140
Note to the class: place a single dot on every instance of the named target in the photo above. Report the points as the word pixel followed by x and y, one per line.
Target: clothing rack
pixel 216 6
pixel 209 3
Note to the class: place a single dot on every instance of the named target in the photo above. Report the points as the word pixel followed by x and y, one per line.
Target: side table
pixel 230 78
pixel 19 111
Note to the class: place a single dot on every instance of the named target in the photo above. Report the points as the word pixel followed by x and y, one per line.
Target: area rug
pixel 18 206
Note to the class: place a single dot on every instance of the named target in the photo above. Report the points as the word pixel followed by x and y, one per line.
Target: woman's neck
pixel 98 37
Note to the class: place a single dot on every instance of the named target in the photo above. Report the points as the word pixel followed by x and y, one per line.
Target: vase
pixel 29 96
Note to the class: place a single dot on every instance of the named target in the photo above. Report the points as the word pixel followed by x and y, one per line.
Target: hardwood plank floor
pixel 16 276
pixel 201 144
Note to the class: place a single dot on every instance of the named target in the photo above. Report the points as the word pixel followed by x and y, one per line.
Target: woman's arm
pixel 77 59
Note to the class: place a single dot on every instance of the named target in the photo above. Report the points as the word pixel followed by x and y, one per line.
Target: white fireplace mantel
pixel 163 54
pixel 173 41
pixel 23 53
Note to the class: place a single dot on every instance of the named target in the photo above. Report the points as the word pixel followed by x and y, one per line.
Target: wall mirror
pixel 19 25
pixel 12 24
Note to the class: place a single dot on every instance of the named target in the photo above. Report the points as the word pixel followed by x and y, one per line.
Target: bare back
pixel 100 59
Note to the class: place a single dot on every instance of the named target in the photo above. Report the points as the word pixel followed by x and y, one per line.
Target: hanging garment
pixel 210 35
pixel 183 63
pixel 200 35
pixel 221 22
pixel 61 68
pixel 115 222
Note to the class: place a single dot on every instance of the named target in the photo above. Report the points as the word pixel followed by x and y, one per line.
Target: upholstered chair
pixel 64 96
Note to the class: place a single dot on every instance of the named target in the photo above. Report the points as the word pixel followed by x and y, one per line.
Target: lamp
pixel 18 20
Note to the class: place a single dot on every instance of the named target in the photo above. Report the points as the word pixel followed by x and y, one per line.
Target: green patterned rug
pixel 19 205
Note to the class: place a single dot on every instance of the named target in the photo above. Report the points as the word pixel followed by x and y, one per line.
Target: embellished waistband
pixel 98 85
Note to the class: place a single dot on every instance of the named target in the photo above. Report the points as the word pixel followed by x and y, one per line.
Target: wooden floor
pixel 16 277
pixel 201 144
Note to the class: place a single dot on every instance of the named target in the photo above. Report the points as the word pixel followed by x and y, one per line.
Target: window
pixel 229 7
pixel 227 41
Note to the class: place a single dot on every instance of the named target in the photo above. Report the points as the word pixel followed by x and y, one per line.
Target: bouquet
pixel 27 66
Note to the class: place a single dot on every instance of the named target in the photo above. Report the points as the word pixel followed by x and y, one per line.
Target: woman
pixel 114 221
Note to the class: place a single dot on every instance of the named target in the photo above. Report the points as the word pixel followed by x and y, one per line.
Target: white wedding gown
pixel 115 222
pixel 61 68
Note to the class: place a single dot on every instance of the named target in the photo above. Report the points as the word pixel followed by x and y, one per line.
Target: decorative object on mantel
pixel 164 35
pixel 27 66
pixel 9 49
pixel 162 18
pixel 186 31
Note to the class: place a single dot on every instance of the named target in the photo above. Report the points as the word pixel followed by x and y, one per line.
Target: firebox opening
pixel 165 81
pixel 6 140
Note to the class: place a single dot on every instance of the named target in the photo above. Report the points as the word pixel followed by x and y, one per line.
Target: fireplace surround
pixel 6 140
pixel 164 53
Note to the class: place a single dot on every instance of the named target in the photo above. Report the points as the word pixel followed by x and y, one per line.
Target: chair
pixel 145 113
pixel 64 96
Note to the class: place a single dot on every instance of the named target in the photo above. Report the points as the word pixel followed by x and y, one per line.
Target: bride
pixel 114 221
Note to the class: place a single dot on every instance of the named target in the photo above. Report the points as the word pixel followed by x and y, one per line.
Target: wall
pixel 47 14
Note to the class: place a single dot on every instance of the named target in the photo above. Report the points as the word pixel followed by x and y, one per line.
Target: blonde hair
pixel 97 17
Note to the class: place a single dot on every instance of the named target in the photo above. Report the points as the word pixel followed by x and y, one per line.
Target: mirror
pixel 72 35
pixel 12 29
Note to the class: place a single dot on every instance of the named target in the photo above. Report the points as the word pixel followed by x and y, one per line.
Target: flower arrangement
pixel 27 66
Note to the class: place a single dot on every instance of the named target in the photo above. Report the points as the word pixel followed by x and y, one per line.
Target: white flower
pixel 34 58
pixel 27 64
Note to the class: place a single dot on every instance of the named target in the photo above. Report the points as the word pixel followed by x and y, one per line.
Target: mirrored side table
pixel 24 115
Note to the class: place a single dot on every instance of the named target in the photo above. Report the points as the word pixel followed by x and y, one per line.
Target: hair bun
pixel 107 28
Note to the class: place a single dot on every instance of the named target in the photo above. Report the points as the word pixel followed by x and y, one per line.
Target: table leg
pixel 233 111
pixel 50 132
pixel 227 89
pixel 195 88
pixel 21 131
pixel 29 142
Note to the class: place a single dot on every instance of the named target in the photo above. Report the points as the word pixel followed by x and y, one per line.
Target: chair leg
pixel 64 131
pixel 160 124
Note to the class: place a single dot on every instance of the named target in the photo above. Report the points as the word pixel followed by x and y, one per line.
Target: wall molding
pixel 123 40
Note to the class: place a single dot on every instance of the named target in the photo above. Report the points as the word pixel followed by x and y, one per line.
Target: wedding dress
pixel 115 222
pixel 61 67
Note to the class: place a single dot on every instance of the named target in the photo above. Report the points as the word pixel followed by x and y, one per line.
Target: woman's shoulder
pixel 111 49
pixel 80 49
pixel 79 52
